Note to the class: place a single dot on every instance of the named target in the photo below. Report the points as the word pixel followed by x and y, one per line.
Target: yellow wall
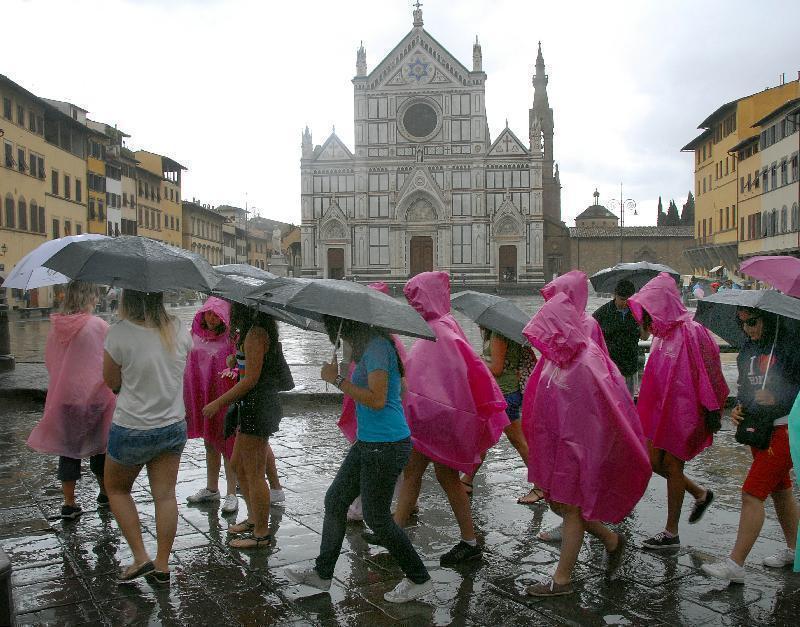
pixel 168 206
pixel 97 167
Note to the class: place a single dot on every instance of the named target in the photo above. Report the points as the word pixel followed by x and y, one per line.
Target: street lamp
pixel 622 204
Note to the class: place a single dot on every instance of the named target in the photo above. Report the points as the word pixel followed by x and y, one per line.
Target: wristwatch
pixel 338 381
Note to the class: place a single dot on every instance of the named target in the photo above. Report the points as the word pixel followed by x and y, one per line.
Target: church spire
pixel 477 56
pixel 417 14
pixel 307 146
pixel 361 61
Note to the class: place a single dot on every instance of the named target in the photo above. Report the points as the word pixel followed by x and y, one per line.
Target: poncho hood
pixel 220 307
pixel 556 331
pixel 660 298
pixel 429 294
pixel 66 326
pixel 380 286
pixel 575 284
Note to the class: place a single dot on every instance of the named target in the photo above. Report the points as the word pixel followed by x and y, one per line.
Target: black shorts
pixel 69 469
pixel 258 415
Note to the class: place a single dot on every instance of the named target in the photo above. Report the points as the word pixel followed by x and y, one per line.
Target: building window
pixel 765 181
pixel 9 155
pixel 459 130
pixel 56 229
pixel 462 205
pixel 20 115
pixel 773 181
pixel 54 182
pixel 461 179
pixel 21 160
pixel 7 108
pixel 67 188
pixel 378 182
pixel 100 214
pixel 67 227
pixel 22 212
pixel 34 217
pixel 78 190
pixel 784 172
pixel 11 219
pixel 379 206
pixel 31 122
pixel 42 225
pixel 379 245
pixel 462 244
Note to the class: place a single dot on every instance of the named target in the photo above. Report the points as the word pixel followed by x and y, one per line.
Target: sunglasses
pixel 750 322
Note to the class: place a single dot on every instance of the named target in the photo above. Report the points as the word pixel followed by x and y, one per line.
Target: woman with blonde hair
pixel 77 412
pixel 144 361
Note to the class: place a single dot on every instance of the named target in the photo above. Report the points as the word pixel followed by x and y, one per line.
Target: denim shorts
pixel 513 405
pixel 136 447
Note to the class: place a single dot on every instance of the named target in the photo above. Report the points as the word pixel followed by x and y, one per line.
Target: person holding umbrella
pixel 682 394
pixel 769 382
pixel 373 463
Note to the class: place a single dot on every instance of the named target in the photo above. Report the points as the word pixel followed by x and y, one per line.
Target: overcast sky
pixel 225 87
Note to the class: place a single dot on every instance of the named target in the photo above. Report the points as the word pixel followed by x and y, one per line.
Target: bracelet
pixel 338 381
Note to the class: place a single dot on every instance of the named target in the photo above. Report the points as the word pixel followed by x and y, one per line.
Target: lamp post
pixel 7 362
pixel 622 204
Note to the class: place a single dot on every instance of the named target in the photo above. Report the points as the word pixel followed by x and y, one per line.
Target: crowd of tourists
pixel 127 397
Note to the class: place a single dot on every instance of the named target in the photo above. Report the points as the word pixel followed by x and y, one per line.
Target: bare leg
pixel 459 501
pixel 468 478
pixel 230 477
pixel 119 481
pixel 751 519
pixel 571 541
pixel 514 434
pixel 609 538
pixel 786 509
pixel 250 459
pixel 212 468
pixel 671 468
pixel 412 484
pixel 272 470
pixel 68 488
pixel 163 473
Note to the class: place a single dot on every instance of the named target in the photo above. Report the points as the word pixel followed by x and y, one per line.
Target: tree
pixel 673 218
pixel 687 213
pixel 662 217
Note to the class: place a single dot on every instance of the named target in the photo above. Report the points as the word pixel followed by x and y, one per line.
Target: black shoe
pixel 461 552
pixel 71 512
pixel 662 541
pixel 102 500
pixel 370 537
pixel 700 507
pixel 158 577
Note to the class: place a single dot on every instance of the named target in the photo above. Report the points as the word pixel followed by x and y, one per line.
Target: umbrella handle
pixel 771 352
pixel 338 338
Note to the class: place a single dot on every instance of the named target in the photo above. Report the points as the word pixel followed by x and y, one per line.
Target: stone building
pixel 425 186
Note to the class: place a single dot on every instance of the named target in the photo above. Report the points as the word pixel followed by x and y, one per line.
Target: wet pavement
pixel 63 571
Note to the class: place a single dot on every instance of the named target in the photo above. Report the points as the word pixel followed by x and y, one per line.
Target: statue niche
pixel 421 210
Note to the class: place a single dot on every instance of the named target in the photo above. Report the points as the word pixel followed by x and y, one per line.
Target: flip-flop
pixel 244 527
pixel 158 577
pixel 124 576
pixel 535 492
pixel 260 541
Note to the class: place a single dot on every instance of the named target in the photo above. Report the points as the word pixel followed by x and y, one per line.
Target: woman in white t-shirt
pixel 145 355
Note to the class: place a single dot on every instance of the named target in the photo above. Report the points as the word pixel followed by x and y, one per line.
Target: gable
pixel 333 150
pixel 508 145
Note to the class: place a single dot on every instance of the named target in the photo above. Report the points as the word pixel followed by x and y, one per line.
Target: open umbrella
pixel 245 269
pixel 344 299
pixel 718 312
pixel 780 271
pixel 136 263
pixel 639 272
pixel 29 273
pixel 240 289
pixel 493 312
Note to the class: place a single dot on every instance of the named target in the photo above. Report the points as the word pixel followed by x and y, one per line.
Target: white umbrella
pixel 29 273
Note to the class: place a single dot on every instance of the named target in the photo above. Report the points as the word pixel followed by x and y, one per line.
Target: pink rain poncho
pixel 683 376
pixel 202 382
pixel 454 407
pixel 575 284
pixel 79 405
pixel 347 421
pixel 586 443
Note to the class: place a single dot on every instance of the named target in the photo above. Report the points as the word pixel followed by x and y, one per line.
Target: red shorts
pixel 770 470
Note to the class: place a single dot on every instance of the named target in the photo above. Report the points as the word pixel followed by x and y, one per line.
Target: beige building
pixel 159 197
pixel 128 219
pixel 259 244
pixel 202 231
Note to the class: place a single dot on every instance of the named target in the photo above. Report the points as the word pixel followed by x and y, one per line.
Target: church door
pixel 508 264
pixel 336 263
pixel 421 255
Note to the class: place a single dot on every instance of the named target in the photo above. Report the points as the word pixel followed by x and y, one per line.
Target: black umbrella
pixel 135 263
pixel 493 312
pixel 344 299
pixel 718 312
pixel 240 289
pixel 638 273
pixel 245 269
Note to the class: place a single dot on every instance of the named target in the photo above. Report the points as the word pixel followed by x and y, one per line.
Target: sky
pixel 225 87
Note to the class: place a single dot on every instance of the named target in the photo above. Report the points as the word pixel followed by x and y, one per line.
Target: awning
pixel 716 268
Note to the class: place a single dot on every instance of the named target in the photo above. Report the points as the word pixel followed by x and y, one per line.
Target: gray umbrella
pixel 245 269
pixel 718 312
pixel 240 289
pixel 344 299
pixel 638 273
pixel 136 263
pixel 493 312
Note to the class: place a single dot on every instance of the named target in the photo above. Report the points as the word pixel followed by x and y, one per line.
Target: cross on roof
pixel 507 140
pixel 417 5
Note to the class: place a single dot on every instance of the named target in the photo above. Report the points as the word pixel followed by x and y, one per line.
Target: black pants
pixel 371 470
pixel 69 469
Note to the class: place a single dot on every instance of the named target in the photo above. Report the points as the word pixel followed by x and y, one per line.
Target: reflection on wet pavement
pixel 63 570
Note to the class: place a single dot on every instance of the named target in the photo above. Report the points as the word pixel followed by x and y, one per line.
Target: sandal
pixel 531 498
pixel 132 572
pixel 251 541
pixel 158 577
pixel 242 527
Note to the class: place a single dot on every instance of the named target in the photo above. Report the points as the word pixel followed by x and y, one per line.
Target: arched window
pixel 784 220
pixel 11 219
pixel 774 222
pixel 764 223
pixel 795 217
pixel 22 212
pixel 34 217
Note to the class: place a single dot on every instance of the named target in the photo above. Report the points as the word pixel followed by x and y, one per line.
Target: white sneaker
pixel 728 569
pixel 407 590
pixel 307 576
pixel 276 496
pixel 203 496
pixel 782 558
pixel 230 504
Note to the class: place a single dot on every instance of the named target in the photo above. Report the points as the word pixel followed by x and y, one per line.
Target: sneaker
pixel 550 589
pixel 781 559
pixel 700 507
pixel 407 590
pixel 308 576
pixel 728 569
pixel 662 541
pixel 230 504
pixel 71 512
pixel 461 552
pixel 204 496
pixel 277 496
pixel 102 500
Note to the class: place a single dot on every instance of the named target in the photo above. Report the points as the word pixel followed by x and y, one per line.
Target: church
pixel 425 187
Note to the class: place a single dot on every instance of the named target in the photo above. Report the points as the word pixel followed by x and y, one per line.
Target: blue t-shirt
pixel 387 424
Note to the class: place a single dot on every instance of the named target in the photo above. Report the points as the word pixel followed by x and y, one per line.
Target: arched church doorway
pixel 421 255
pixel 336 263
pixel 508 264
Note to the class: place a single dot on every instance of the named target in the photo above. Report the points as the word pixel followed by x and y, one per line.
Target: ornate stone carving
pixel 334 230
pixel 421 211
pixel 507 226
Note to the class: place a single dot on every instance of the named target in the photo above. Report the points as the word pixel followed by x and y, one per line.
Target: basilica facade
pixel 425 187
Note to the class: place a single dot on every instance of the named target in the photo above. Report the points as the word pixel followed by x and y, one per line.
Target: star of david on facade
pixel 418 70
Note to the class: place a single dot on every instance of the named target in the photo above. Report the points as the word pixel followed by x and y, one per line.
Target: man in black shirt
pixel 621 332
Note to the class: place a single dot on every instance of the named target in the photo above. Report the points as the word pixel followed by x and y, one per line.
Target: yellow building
pixel 159 197
pixel 716 175
pixel 42 181
pixel 202 231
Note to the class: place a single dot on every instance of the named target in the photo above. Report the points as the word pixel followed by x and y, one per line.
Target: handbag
pixel 280 375
pixel 756 431
pixel 231 422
